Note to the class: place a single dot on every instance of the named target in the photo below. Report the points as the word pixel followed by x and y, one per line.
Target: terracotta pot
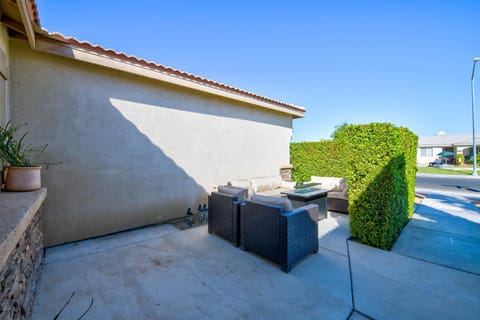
pixel 23 178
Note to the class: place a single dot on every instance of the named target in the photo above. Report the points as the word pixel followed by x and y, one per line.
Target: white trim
pixel 22 7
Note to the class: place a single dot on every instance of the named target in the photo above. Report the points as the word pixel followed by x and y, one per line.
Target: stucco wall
pixel 4 67
pixel 134 151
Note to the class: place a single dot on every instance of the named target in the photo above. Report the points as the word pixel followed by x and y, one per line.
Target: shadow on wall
pixel 112 176
pixel 381 210
pixel 132 149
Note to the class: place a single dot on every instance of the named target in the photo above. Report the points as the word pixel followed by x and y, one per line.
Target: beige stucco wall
pixel 4 70
pixel 133 151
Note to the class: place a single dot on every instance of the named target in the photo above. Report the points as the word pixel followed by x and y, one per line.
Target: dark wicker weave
pixel 223 216
pixel 337 205
pixel 281 237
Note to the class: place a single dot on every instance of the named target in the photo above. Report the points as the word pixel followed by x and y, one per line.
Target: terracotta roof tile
pixel 33 11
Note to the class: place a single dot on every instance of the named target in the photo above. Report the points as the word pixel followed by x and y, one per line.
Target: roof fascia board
pixel 12 24
pixel 50 46
pixel 22 7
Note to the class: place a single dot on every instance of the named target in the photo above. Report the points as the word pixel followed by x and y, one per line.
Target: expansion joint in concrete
pixel 332 251
pixel 351 276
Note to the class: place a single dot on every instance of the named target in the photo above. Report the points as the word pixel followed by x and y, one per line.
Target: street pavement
pixel 467 186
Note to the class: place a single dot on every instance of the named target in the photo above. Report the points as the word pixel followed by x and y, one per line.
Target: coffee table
pixel 308 195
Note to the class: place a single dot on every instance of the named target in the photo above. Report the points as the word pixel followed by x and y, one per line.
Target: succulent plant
pixel 15 152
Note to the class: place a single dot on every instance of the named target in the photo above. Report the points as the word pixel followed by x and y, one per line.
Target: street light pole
pixel 474 149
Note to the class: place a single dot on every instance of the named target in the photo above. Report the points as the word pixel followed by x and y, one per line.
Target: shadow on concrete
pixel 445 232
pixel 455 201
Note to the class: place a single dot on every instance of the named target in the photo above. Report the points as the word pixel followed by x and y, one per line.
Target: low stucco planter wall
pixel 21 251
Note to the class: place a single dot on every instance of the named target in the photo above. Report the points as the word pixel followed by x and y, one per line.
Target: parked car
pixel 437 162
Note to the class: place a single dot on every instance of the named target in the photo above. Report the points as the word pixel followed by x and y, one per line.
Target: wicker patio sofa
pixel 224 213
pixel 275 231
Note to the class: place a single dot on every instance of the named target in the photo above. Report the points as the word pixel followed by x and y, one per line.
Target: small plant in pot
pixel 21 174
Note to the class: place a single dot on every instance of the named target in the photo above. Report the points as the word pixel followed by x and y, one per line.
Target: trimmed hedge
pixel 379 162
pixel 320 158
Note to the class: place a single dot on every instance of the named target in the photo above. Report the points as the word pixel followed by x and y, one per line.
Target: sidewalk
pixel 445 230
pixel 433 272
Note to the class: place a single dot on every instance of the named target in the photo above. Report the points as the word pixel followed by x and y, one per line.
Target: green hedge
pixel 314 157
pixel 379 162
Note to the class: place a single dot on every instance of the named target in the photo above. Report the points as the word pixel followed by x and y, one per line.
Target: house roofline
pixel 71 48
pixel 58 44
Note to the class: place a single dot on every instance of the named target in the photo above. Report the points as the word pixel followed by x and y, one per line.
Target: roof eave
pixel 27 22
pixel 57 44
pixel 51 45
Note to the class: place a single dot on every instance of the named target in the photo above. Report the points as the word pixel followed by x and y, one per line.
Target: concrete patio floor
pixel 160 272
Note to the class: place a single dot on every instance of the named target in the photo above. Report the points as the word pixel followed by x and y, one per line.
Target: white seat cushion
pixel 337 195
pixel 241 183
pixel 285 203
pixel 334 183
pixel 240 193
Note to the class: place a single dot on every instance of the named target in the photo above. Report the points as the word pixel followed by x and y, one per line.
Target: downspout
pixel 24 13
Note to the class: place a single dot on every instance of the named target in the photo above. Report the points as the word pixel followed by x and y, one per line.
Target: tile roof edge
pixel 33 11
pixel 111 53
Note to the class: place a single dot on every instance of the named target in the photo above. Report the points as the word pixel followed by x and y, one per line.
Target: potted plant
pixel 20 173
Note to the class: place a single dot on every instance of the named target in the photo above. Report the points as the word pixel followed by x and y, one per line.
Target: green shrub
pixel 460 158
pixel 470 161
pixel 379 162
pixel 314 158
pixel 14 151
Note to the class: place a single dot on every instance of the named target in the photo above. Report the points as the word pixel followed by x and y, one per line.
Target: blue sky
pixel 405 62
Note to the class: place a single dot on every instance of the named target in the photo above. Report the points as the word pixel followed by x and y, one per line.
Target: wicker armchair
pixel 279 236
pixel 224 216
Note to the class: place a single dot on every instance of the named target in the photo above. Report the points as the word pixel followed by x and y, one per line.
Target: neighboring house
pixel 136 142
pixel 430 146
